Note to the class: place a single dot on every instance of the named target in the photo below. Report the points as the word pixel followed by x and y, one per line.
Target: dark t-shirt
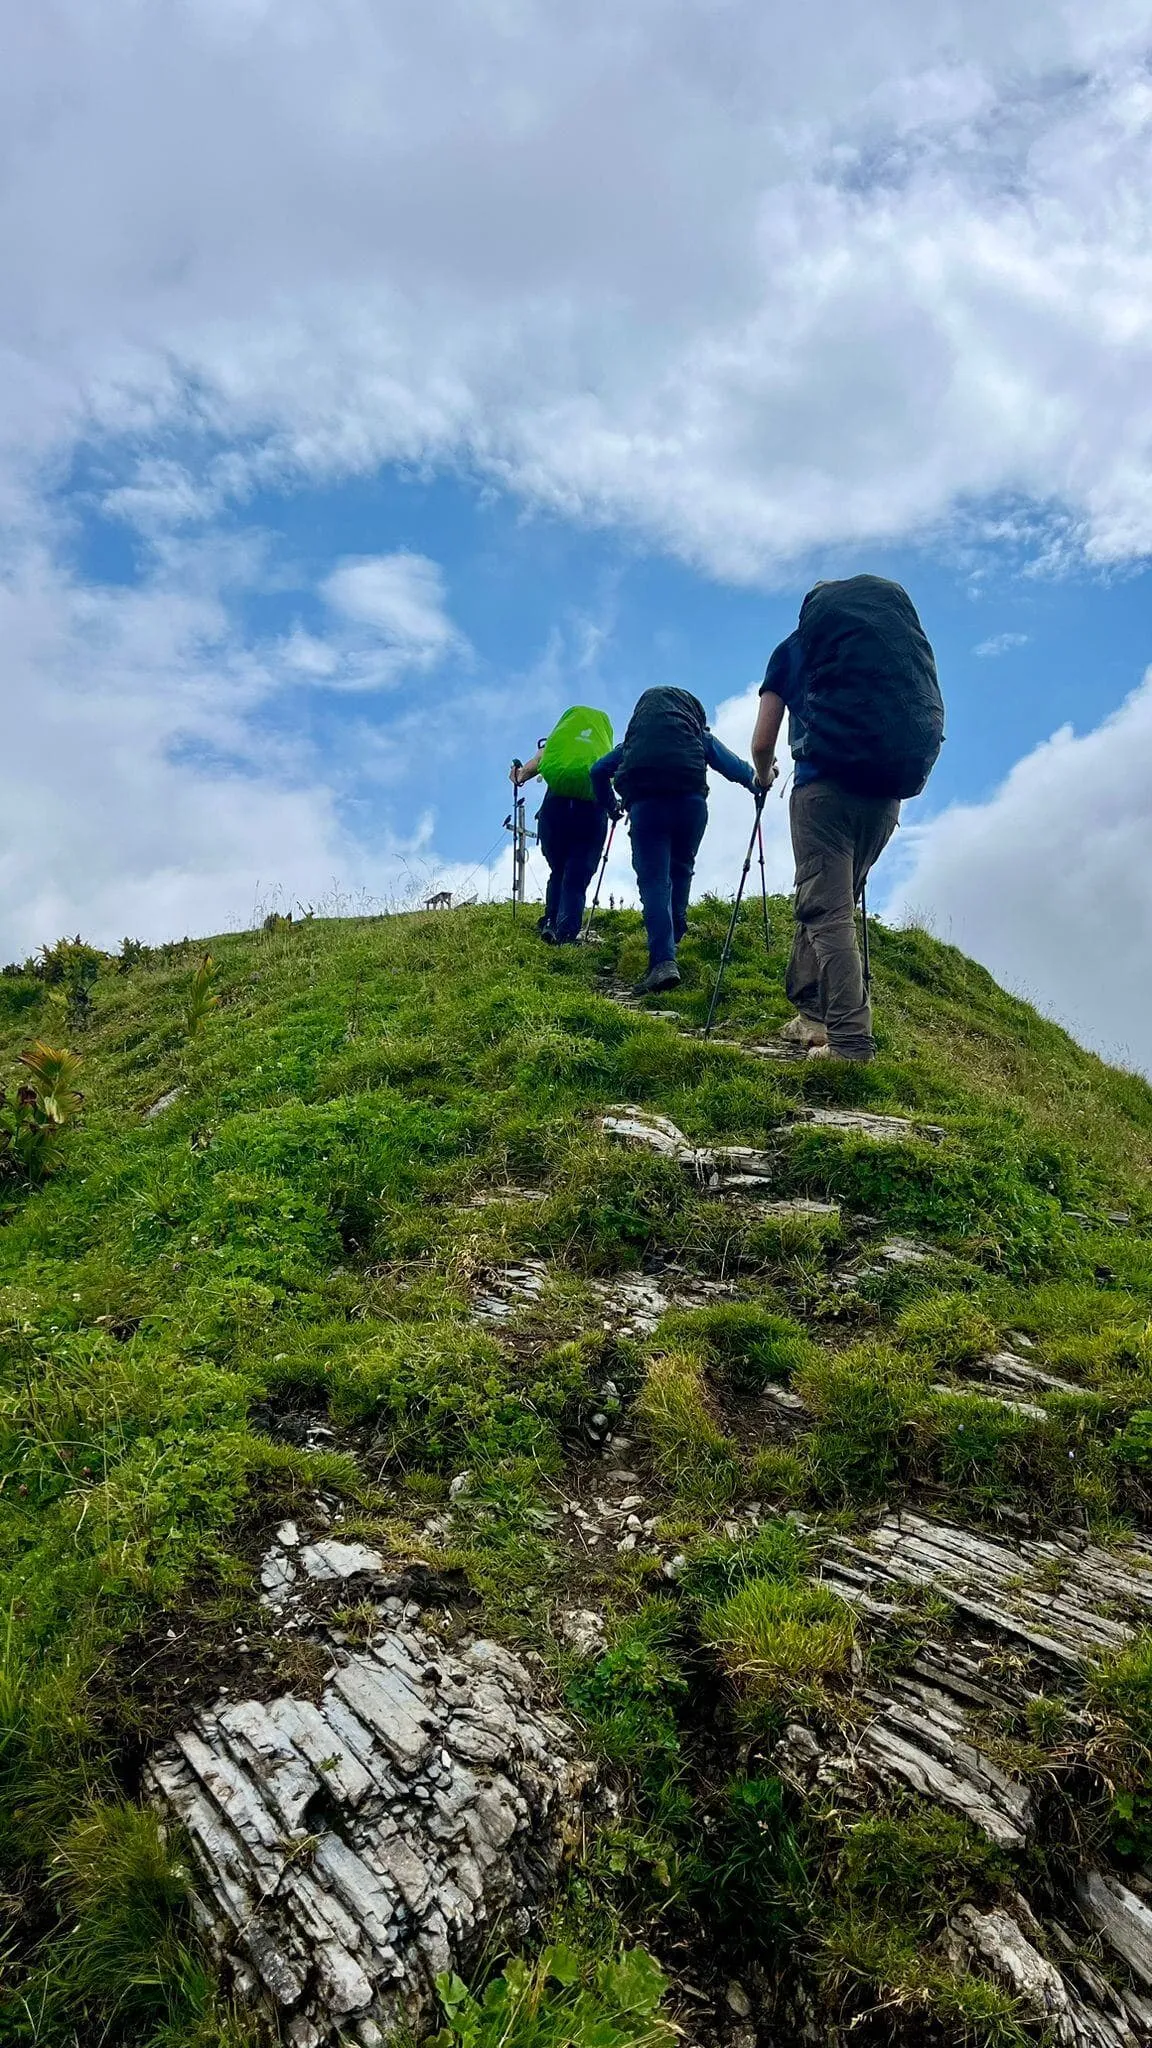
pixel 782 677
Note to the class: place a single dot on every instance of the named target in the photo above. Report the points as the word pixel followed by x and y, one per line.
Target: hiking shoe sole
pixel 666 975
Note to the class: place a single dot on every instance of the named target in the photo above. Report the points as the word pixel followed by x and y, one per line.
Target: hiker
pixel 660 773
pixel 865 725
pixel 571 823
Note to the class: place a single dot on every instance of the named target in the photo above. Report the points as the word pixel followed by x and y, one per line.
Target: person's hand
pixel 515 773
pixel 773 773
pixel 616 810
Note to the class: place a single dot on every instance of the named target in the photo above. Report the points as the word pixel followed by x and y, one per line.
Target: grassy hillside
pixel 293 1243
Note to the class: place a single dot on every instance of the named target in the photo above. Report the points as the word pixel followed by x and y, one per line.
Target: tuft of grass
pixel 782 1641
pixel 743 1342
pixel 948 1329
pixel 864 1401
pixel 719 1566
pixel 687 1446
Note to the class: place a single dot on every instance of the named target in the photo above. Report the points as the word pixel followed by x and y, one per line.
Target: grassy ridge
pixel 294 1230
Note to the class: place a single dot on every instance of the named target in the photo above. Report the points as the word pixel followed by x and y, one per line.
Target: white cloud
pixel 145 790
pixel 751 282
pixel 401 600
pixel 1000 643
pixel 1048 882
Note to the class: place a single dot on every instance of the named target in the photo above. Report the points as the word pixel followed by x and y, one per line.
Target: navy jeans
pixel 571 833
pixel 666 833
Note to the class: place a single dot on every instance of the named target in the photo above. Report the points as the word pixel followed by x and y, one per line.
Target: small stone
pixel 583 1629
pixel 288 1535
pixel 599 1420
pixel 626 1543
pixel 277 1573
pixel 634 1522
pixel 631 1500
pixel 460 1485
pixel 676 1566
pixel 738 2001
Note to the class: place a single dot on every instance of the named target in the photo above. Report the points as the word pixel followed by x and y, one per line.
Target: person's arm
pixel 726 763
pixel 526 770
pixel 769 719
pixel 601 773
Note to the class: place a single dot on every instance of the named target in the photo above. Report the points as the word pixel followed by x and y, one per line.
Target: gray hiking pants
pixel 836 838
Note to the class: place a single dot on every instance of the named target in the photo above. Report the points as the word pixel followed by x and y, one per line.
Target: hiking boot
pixel 665 974
pixel 801 1030
pixel 846 1059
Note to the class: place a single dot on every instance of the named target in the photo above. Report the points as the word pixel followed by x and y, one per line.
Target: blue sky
pixel 378 383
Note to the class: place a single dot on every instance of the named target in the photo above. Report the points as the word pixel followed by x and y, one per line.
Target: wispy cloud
pixel 1000 643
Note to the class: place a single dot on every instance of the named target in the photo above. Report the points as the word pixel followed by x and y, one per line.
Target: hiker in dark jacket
pixel 858 680
pixel 571 823
pixel 660 771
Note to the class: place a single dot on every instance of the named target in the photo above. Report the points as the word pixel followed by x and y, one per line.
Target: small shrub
pixel 949 1329
pixel 449 1396
pixel 782 1640
pixel 917 1865
pixel 1133 1445
pixel 69 971
pixel 687 1445
pixel 743 1342
pixel 561 2001
pixel 612 1207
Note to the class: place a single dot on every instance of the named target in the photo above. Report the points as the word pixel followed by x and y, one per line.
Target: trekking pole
pixel 764 889
pixel 864 930
pixel 744 873
pixel 516 821
pixel 599 883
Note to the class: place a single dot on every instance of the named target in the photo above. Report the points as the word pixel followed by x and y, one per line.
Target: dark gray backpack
pixel 868 703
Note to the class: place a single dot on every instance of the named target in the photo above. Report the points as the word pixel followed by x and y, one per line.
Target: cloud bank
pixel 744 282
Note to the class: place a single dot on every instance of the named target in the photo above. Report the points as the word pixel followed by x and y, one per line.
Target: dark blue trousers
pixel 571 833
pixel 666 834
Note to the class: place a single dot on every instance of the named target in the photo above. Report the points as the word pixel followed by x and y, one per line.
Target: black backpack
pixel 663 751
pixel 868 708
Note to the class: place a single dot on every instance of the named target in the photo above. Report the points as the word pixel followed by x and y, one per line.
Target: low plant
pixel 864 1401
pixel 742 1341
pixel 69 971
pixel 563 2000
pixel 948 1329
pixel 758 1886
pixel 203 997
pixel 717 1568
pixel 34 1121
pixel 782 1642
pixel 672 1413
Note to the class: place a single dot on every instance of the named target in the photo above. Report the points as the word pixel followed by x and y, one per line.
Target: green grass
pixel 294 1233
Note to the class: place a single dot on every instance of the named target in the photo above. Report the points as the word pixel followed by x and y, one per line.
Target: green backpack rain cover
pixel 579 739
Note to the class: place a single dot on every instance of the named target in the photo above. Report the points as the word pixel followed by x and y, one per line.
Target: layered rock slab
pixel 350 1849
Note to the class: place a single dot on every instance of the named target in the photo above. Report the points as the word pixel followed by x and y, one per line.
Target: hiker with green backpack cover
pixel 572 822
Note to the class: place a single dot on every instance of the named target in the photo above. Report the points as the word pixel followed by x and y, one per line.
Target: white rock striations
pixel 349 1850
